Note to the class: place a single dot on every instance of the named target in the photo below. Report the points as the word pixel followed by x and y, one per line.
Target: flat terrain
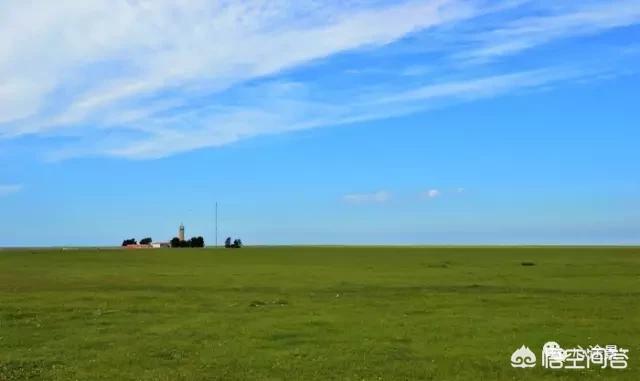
pixel 312 313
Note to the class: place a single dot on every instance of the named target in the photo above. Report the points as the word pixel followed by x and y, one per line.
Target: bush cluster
pixel 132 241
pixel 237 243
pixel 193 242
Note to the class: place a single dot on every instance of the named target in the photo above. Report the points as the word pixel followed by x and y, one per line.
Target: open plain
pixel 313 313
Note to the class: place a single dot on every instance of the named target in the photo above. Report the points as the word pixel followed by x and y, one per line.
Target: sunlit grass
pixel 302 313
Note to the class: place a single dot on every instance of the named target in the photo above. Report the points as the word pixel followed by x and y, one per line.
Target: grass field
pixel 312 313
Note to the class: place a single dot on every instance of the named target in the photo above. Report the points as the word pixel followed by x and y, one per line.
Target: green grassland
pixel 313 313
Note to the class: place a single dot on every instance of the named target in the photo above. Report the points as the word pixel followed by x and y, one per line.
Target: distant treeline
pixel 237 243
pixel 193 242
pixel 175 242
pixel 132 241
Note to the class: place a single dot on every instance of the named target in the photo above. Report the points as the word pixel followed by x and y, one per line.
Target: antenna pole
pixel 216 223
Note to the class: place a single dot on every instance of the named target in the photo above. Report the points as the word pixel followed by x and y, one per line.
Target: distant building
pixel 160 245
pixel 181 232
pixel 138 246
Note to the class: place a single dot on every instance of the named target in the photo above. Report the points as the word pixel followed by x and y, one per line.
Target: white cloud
pixel 563 21
pixel 138 48
pixel 361 198
pixel 484 87
pixel 166 76
pixel 212 126
pixel 6 190
pixel 432 193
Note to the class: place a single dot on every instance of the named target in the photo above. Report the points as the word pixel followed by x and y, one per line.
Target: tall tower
pixel 181 232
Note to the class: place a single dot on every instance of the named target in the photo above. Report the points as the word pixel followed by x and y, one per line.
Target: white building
pixel 181 232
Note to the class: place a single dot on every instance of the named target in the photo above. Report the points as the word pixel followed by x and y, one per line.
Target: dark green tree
pixel 197 242
pixel 146 241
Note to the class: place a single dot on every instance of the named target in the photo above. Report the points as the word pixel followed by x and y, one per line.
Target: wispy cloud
pixel 215 125
pixel 145 80
pixel 139 49
pixel 432 193
pixel 8 189
pixel 566 20
pixel 363 198
pixel 483 87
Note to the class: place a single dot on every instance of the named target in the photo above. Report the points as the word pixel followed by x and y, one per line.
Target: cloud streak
pixel 568 20
pixel 167 78
pixel 141 48
pixel 9 189
pixel 213 126
pixel 432 193
pixel 378 197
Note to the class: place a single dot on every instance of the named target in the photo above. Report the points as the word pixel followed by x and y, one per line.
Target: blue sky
pixel 405 122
